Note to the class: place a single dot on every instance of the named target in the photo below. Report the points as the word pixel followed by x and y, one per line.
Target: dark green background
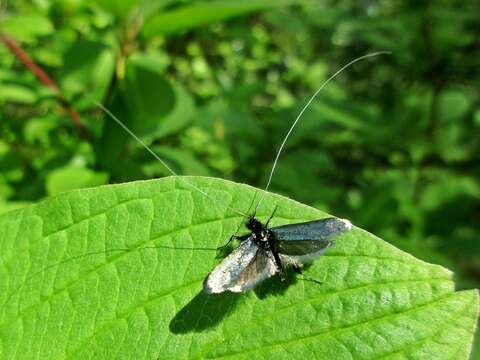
pixel 392 144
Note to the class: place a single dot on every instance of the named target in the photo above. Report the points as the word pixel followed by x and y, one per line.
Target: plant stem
pixel 42 76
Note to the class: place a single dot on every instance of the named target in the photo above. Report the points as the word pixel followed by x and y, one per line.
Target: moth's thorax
pixel 260 234
pixel 254 225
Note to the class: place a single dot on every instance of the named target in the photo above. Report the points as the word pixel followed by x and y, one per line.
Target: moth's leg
pixel 271 216
pixel 236 237
pixel 305 278
pixel 278 263
pixel 280 269
pixel 241 237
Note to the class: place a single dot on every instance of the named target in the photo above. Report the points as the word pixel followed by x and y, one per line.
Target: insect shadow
pixel 275 286
pixel 205 311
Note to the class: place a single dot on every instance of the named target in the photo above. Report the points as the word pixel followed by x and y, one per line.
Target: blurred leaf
pixel 5 189
pixel 342 113
pixel 110 146
pixel 37 130
pixel 127 8
pixel 181 115
pixel 306 174
pixel 375 300
pixel 476 117
pixel 443 187
pixel 201 13
pixel 73 177
pixel 149 97
pixel 10 163
pixel 215 153
pixel 181 161
pixel 86 73
pixel 6 206
pixel 17 94
pixel 154 106
pixel 453 105
pixel 148 8
pixel 121 9
pixel 154 60
pixel 27 27
pixel 226 122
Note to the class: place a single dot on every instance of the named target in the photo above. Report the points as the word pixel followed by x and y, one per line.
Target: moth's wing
pixel 302 242
pixel 260 268
pixel 244 268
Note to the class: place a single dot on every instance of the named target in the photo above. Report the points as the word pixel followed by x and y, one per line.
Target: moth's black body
pixel 264 238
pixel 266 251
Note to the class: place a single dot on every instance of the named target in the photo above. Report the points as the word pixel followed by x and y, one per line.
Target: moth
pixel 269 251
pixel 263 252
pixel 266 251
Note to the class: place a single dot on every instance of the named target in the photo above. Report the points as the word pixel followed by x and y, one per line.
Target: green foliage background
pixel 393 144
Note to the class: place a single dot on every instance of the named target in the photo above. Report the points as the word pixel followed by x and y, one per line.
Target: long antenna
pixel 132 134
pixel 280 149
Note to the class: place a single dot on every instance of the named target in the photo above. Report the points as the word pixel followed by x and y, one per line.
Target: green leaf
pixel 156 106
pixel 375 300
pixel 87 72
pixel 6 206
pixel 202 13
pixel 178 118
pixel 120 9
pixel 73 177
pixel 181 161
pixel 17 93
pixel 149 96
pixel 27 26
pixel 454 105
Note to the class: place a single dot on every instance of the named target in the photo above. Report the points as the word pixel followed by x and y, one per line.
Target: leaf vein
pixel 340 328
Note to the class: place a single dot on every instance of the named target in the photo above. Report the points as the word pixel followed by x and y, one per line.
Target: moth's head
pixel 254 225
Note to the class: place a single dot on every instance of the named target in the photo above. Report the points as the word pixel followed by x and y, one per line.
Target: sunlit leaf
pixel 87 72
pixel 73 177
pixel 121 9
pixel 148 95
pixel 374 301
pixel 17 94
pixel 28 26
pixel 180 160
pixel 201 13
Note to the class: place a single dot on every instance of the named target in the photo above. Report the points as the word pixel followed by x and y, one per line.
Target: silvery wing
pixel 299 243
pixel 244 268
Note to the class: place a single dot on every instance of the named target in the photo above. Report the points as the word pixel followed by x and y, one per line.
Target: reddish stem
pixel 21 55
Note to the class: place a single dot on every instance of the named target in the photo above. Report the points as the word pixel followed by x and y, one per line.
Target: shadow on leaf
pixel 203 311
pixel 274 286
